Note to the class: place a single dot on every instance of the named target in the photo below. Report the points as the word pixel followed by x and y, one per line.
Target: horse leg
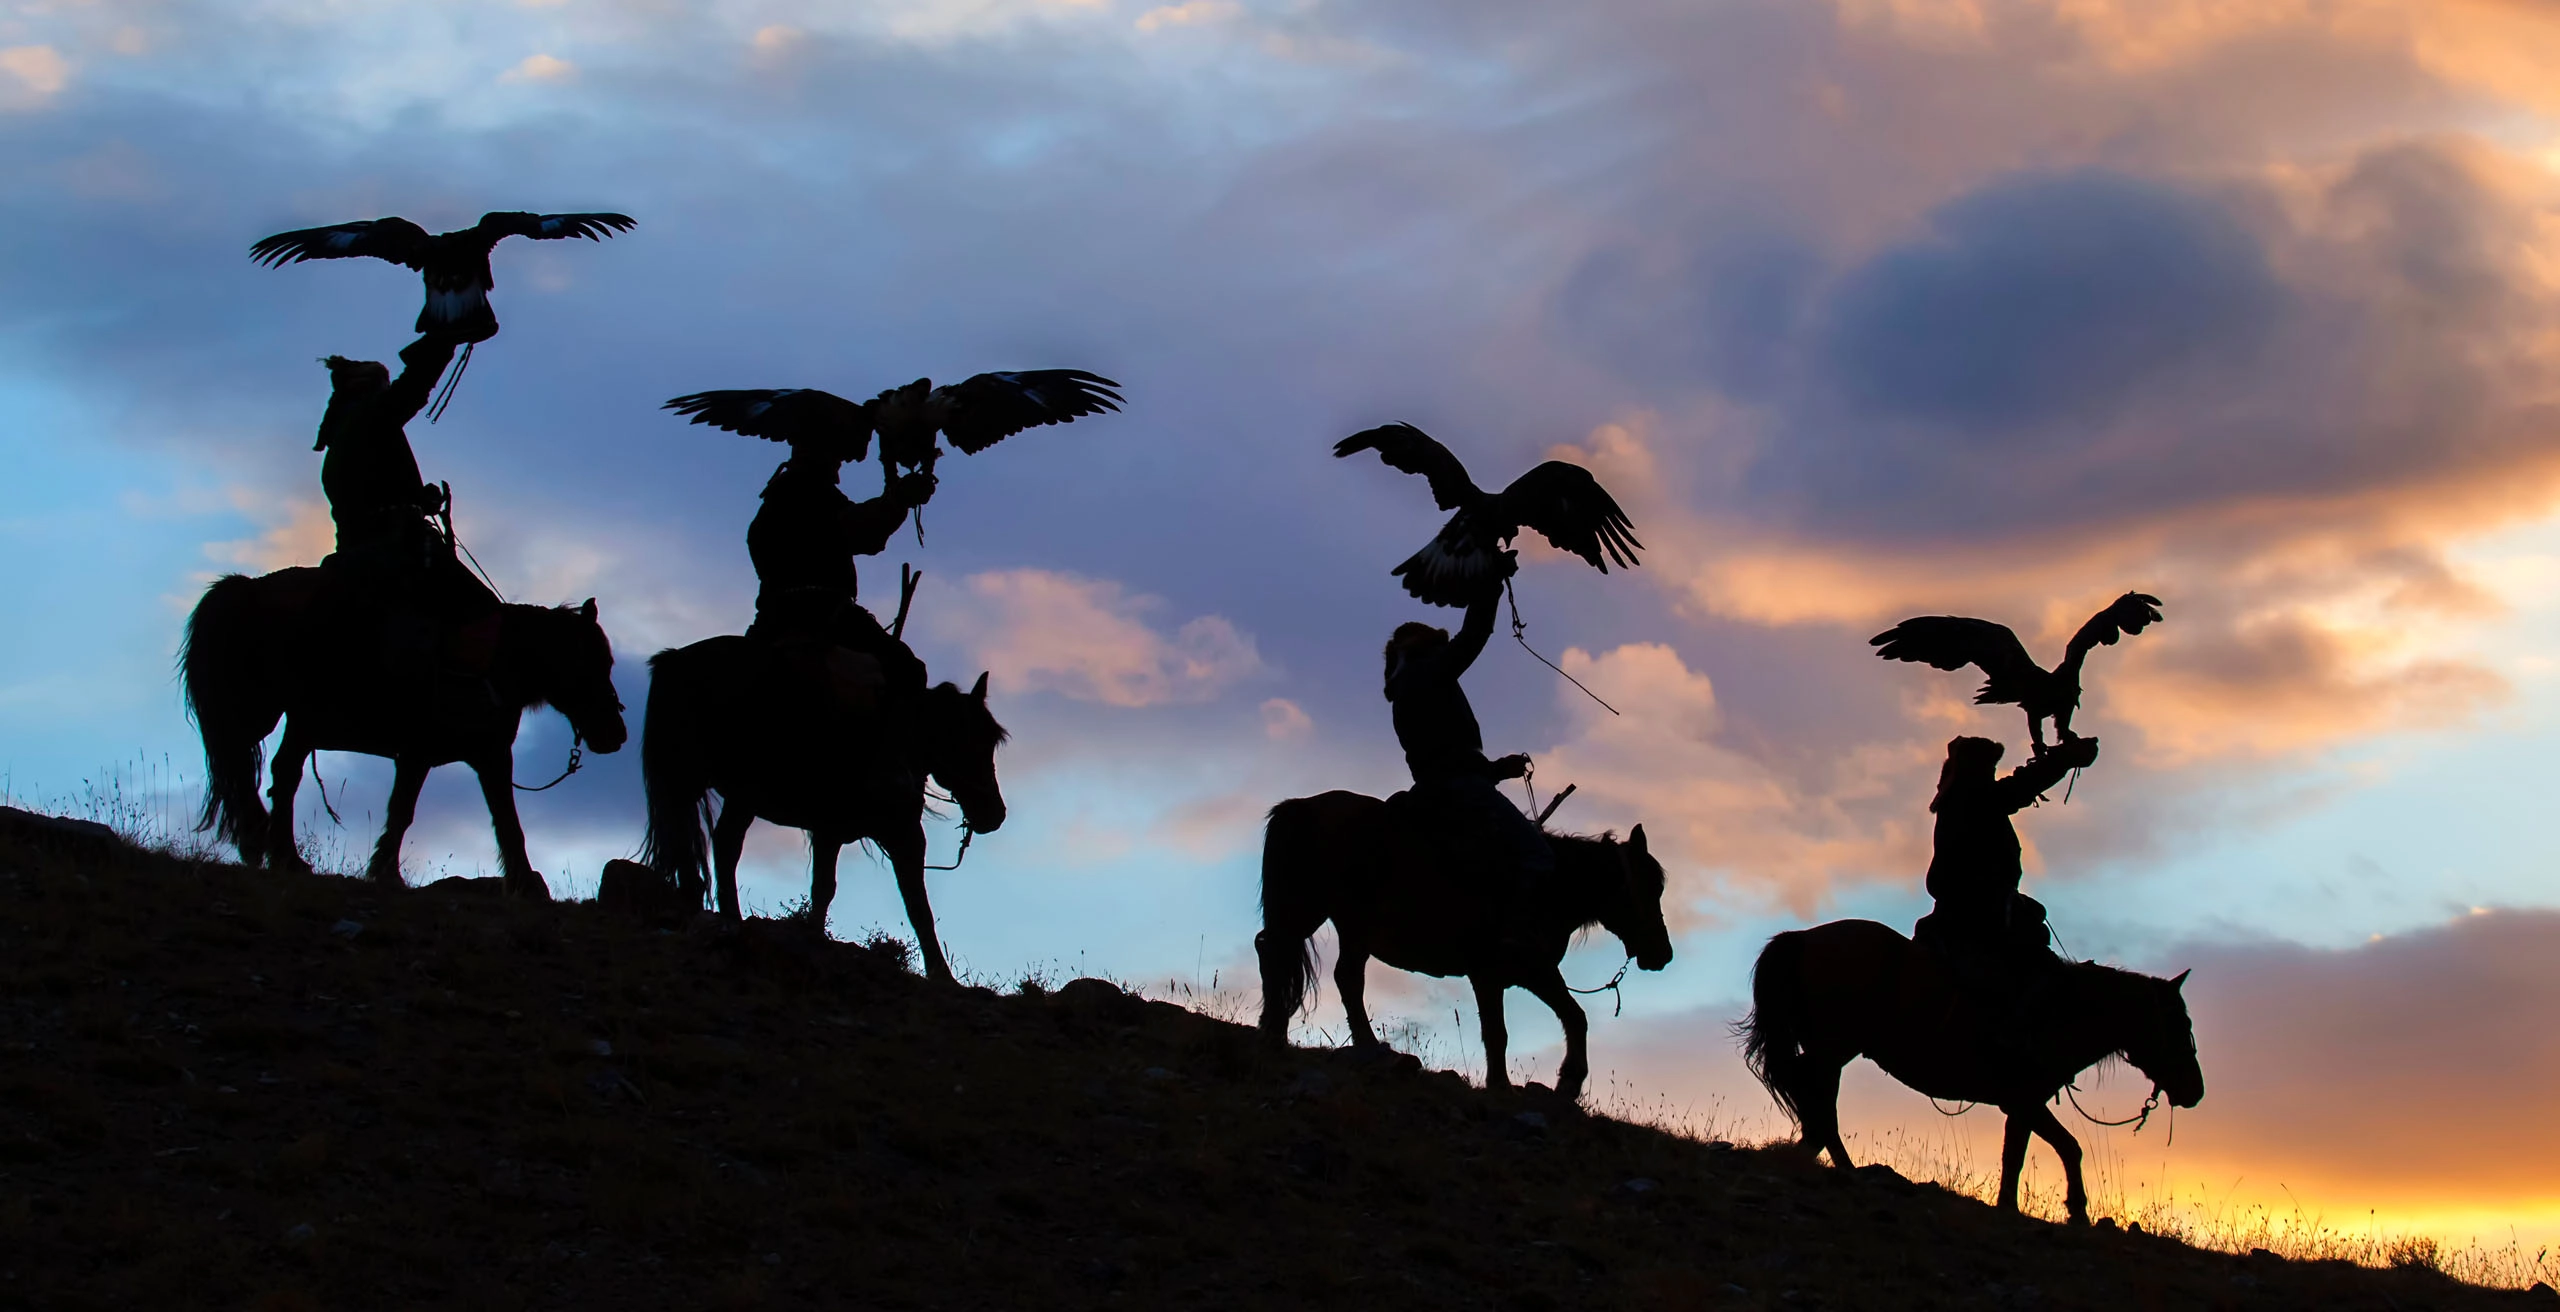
pixel 2075 1194
pixel 498 788
pixel 906 856
pixel 1351 979
pixel 1551 990
pixel 1816 1089
pixel 822 881
pixel 408 776
pixel 1497 1037
pixel 2013 1154
pixel 283 852
pixel 728 838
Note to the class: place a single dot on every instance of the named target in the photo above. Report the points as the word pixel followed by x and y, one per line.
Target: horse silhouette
pixel 280 647
pixel 1344 857
pixel 1824 996
pixel 719 721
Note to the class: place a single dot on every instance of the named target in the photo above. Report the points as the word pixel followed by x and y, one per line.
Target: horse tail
pixel 228 699
pixel 1292 910
pixel 672 748
pixel 1773 1035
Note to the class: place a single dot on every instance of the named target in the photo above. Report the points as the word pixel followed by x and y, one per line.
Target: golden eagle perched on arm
pixel 1560 500
pixel 982 410
pixel 975 414
pixel 454 264
pixel 1951 642
pixel 804 418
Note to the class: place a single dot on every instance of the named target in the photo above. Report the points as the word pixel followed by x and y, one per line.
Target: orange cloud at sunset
pixel 1088 639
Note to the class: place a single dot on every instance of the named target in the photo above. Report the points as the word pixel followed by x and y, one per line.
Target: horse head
pixel 961 737
pixel 572 671
pixel 2162 1040
pixel 1634 911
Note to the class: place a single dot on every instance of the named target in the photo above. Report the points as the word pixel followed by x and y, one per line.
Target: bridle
pixel 1626 874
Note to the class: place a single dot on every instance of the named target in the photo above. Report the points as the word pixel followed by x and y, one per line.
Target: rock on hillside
pixel 232 1089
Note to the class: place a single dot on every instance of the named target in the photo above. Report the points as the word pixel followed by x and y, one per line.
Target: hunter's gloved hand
pixel 1510 767
pixel 2075 753
pixel 912 490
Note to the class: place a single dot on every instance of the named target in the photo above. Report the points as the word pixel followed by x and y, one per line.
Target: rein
pixel 444 518
pixel 577 757
pixel 1618 998
pixel 966 835
pixel 2137 1120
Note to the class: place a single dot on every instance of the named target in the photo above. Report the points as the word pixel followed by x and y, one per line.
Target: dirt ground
pixel 231 1089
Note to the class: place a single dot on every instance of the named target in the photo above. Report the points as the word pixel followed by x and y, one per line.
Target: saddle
pixel 841 681
pixel 2000 972
pixel 346 624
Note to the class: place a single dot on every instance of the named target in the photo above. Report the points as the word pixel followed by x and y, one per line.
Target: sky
pixel 1863 308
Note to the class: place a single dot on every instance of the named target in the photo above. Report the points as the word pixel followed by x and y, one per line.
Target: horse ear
pixel 1635 839
pixel 588 610
pixel 2181 981
pixel 980 691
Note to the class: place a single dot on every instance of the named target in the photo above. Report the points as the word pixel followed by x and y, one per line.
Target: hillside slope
pixel 231 1089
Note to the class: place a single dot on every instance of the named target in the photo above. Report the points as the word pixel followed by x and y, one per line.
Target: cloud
pixel 1190 13
pixel 2043 295
pixel 540 68
pixel 1039 630
pixel 1283 720
pixel 299 532
pixel 31 76
pixel 1733 828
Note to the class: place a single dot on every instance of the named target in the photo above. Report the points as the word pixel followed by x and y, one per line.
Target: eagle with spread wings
pixel 1559 499
pixel 455 264
pixel 975 414
pixel 1951 642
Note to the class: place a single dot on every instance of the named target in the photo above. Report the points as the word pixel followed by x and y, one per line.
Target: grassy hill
pixel 230 1089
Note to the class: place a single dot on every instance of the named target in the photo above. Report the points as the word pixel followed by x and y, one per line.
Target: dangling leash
pixel 452 380
pixel 577 757
pixel 2137 1120
pixel 1519 634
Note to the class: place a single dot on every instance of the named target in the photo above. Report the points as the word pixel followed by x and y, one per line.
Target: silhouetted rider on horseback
pixel 1992 936
pixel 390 552
pixel 803 541
pixel 1454 794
